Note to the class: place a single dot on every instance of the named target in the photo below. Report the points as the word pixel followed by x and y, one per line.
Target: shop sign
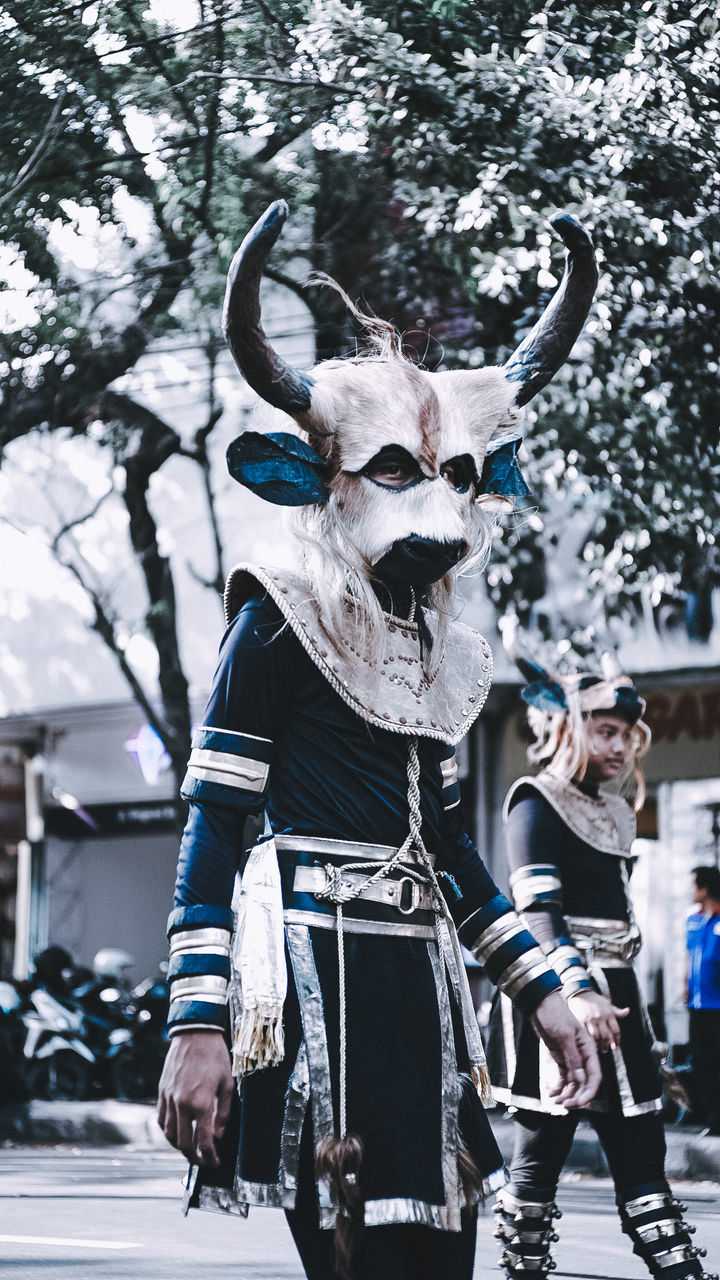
pixel 692 712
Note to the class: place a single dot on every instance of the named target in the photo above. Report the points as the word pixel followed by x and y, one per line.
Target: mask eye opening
pixel 393 467
pixel 460 472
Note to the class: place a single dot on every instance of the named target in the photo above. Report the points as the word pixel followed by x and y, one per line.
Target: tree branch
pixel 201 456
pixel 52 130
pixel 74 524
pixel 212 122
pixel 288 82
pixel 105 626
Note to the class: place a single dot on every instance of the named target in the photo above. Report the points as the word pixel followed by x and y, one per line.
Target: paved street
pixel 113 1214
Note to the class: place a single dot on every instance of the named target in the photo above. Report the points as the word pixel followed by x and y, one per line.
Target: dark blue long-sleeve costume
pixel 574 895
pixel 278 740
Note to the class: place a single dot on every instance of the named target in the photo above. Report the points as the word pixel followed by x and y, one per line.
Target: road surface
pixel 113 1214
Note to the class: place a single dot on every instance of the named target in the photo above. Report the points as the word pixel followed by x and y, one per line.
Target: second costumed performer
pixel 569 854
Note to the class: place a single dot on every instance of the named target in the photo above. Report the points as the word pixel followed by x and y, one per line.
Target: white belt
pixel 405 894
pixel 612 944
pixel 325 847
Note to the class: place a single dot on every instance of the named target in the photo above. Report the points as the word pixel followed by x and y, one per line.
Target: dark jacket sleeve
pixel 535 835
pixel 486 922
pixel 227 779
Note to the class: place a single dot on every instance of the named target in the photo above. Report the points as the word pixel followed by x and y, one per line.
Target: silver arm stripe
pixel 227 770
pixel 200 939
pixel 535 869
pixel 206 997
pixel 496 934
pixel 579 980
pixel 179 1028
pixel 517 975
pixel 570 968
pixel 449 772
pixel 200 951
pixel 564 957
pixel 512 989
pixel 200 986
pixel 542 889
pixel 234 733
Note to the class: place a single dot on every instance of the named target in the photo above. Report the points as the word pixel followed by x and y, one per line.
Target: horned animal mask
pixel 400 453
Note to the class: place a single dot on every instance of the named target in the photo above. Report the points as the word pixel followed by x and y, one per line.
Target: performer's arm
pixel 486 922
pixel 226 781
pixel 534 833
pixel 490 928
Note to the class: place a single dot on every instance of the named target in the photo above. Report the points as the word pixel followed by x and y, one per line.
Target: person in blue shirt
pixel 703 995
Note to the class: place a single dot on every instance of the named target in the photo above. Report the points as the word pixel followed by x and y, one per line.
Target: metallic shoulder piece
pixel 393 691
pixel 604 821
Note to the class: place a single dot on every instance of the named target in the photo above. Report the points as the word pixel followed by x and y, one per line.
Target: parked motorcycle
pixel 13 1085
pixel 125 1026
pixel 96 1039
pixel 58 1062
pixel 137 1063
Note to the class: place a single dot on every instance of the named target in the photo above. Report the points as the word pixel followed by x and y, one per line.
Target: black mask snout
pixel 416 561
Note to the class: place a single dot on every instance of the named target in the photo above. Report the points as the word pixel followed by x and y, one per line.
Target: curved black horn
pixel 550 342
pixel 268 374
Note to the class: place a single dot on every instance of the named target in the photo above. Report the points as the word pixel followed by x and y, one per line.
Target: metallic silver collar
pixel 393 693
pixel 606 822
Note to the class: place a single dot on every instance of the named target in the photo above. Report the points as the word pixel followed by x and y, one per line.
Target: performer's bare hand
pixel 573 1050
pixel 599 1017
pixel 195 1092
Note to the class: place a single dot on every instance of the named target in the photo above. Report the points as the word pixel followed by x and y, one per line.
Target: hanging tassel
pixel 481 1080
pixel 471 1179
pixel 471 1137
pixel 258 1040
pixel 337 1162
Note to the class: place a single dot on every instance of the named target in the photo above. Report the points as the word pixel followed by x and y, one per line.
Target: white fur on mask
pixel 374 517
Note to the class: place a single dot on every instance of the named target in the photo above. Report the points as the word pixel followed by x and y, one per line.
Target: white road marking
pixel 60 1241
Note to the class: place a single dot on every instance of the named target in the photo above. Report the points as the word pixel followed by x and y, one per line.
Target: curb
pixel 111 1123
pixel 86 1124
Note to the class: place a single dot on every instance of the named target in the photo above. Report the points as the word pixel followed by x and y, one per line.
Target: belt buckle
pixel 414 895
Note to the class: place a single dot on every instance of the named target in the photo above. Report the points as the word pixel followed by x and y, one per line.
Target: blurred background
pixel 421 147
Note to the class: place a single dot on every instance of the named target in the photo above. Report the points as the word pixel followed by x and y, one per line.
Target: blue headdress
pixel 613 693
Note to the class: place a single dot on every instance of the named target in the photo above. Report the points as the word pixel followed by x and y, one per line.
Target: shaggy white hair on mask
pixel 333 536
pixel 341 579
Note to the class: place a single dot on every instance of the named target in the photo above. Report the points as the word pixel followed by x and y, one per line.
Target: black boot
pixel 525 1230
pixel 661 1237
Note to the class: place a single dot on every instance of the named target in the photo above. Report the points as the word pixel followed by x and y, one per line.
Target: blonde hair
pixel 562 746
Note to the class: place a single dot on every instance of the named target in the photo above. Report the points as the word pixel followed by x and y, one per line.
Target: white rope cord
pixel 337 890
pixel 475 1049
pixel 340 892
pixel 343 1021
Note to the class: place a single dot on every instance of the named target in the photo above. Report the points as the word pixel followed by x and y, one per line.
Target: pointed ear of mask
pixel 279 467
pixel 532 671
pixel 501 474
pixel 546 695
